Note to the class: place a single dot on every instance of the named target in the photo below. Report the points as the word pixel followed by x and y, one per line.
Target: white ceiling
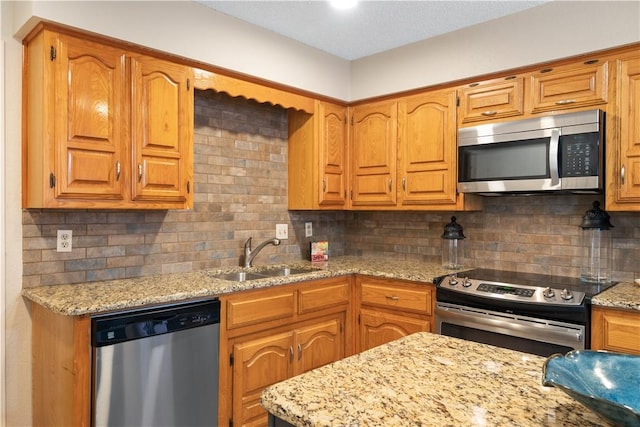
pixel 372 26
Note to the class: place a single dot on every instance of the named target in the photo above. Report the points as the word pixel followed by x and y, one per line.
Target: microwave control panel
pixel 580 154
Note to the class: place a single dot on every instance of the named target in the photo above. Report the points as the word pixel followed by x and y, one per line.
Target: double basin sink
pixel 243 276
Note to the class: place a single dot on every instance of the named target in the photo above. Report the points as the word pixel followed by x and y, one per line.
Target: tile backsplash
pixel 240 176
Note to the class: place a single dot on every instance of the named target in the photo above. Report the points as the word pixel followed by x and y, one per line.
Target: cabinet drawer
pixel 492 100
pixel 616 330
pixel 397 297
pixel 557 89
pixel 261 308
pixel 316 298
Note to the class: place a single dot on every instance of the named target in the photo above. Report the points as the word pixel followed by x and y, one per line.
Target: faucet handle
pixel 247 244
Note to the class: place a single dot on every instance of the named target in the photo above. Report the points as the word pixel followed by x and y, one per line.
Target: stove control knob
pixel 466 282
pixel 566 295
pixel 453 280
pixel 548 293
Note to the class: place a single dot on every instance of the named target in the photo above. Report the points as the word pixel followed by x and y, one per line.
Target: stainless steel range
pixel 534 313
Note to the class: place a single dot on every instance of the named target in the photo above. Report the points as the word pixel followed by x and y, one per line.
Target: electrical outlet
pixel 64 243
pixel 282 231
pixel 308 229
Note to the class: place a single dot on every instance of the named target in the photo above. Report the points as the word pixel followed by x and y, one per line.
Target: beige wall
pixel 554 30
pixel 557 29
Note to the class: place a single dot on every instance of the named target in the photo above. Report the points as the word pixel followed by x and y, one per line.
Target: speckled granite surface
pixel 623 295
pixel 427 380
pixel 99 297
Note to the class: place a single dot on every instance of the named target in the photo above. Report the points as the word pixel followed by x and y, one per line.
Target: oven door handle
pixel 539 330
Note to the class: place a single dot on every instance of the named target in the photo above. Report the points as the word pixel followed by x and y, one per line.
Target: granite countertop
pixel 427 379
pixel 112 295
pixel 625 295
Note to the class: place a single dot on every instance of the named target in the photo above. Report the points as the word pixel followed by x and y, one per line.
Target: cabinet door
pixel 377 327
pixel 332 140
pixel 427 149
pixel 623 150
pixel 374 145
pixel 89 122
pixel 319 344
pixel 162 118
pixel 257 364
pixel 570 86
pixel 492 100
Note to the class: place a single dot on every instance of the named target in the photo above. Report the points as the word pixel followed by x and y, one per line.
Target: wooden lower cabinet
pixel 61 368
pixel 615 330
pixel 390 309
pixel 377 328
pixel 262 361
pixel 304 326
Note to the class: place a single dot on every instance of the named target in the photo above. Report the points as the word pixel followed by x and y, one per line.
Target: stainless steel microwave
pixel 562 152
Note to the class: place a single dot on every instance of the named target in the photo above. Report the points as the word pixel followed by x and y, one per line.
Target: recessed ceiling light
pixel 343 4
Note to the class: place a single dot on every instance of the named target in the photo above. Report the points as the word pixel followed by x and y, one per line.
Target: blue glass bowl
pixel 605 382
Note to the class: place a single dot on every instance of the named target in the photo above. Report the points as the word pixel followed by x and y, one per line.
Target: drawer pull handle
pixel 489 113
pixel 390 184
pixel 622 174
pixel 118 170
pixel 299 351
pixel 291 353
pixel 324 185
pixel 565 101
pixel 393 297
pixel 139 171
pixel 404 183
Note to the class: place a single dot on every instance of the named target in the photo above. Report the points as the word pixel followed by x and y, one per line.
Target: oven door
pixel 527 334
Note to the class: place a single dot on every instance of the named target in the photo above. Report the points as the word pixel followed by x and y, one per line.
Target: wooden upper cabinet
pixel 569 86
pixel 93 113
pixel 332 138
pixel 162 113
pixel 623 139
pixel 88 118
pixel 373 154
pixel 427 169
pixel 73 144
pixel 492 99
pixel 317 158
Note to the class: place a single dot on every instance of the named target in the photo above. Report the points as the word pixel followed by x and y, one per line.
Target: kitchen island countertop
pixel 429 380
pixel 100 297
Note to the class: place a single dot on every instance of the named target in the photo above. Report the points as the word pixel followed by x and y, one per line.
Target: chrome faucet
pixel 249 254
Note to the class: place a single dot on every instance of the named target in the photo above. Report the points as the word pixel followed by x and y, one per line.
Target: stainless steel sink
pixel 286 271
pixel 243 276
pixel 239 276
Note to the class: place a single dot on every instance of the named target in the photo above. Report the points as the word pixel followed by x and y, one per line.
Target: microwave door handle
pixel 553 157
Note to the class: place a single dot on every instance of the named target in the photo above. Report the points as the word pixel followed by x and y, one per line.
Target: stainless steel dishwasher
pixel 157 367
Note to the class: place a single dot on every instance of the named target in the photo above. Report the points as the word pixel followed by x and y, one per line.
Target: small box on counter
pixel 320 251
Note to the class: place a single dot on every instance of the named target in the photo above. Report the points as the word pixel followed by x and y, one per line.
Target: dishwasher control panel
pixel 130 325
